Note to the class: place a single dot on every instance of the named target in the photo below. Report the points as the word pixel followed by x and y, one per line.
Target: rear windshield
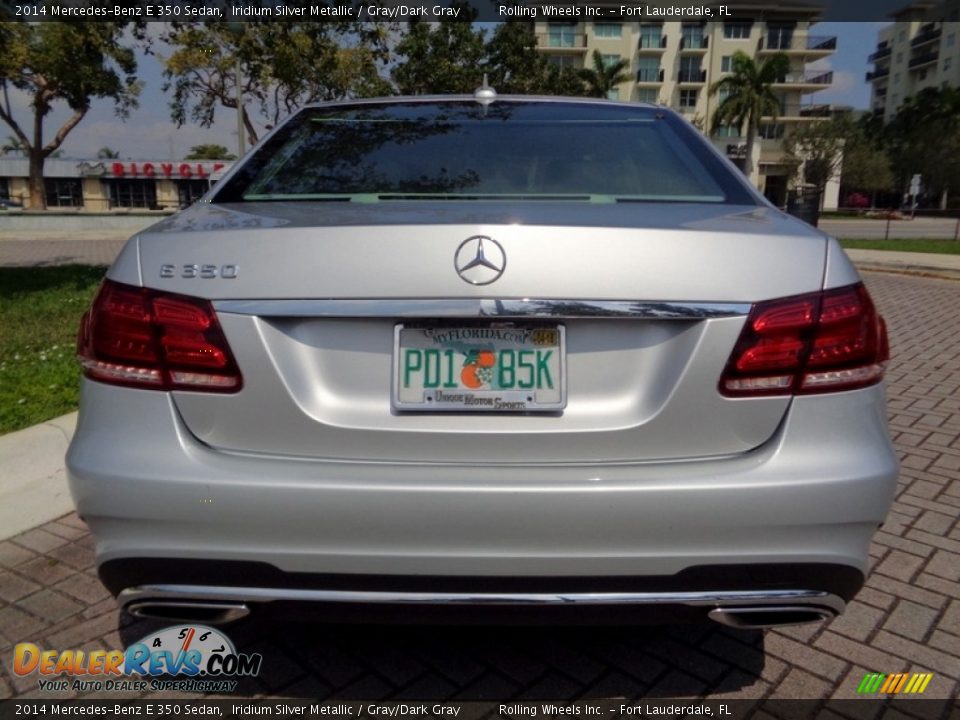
pixel 504 151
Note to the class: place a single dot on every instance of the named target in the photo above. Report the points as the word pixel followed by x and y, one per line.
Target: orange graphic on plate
pixel 477 368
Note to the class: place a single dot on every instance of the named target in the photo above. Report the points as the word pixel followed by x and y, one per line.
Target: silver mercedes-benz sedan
pixel 544 355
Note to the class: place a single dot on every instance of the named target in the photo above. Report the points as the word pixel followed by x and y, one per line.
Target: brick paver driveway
pixel 906 618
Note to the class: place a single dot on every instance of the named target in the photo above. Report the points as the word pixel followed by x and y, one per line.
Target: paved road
pixel 942 228
pixel 907 618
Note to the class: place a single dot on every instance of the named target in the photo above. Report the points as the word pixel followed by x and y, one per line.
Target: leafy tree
pixel 749 96
pixel 819 149
pixel 210 152
pixel 452 57
pixel 13 146
pixel 513 61
pixel 106 153
pixel 282 66
pixel 924 137
pixel 866 167
pixel 603 77
pixel 447 58
pixel 73 63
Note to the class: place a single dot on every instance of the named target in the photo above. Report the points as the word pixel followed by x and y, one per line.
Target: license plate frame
pixel 469 400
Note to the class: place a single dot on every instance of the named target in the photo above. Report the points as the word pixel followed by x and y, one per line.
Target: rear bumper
pixel 220 591
pixel 810 497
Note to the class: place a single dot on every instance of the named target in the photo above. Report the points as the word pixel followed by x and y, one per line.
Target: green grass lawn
pixel 918 245
pixel 40 310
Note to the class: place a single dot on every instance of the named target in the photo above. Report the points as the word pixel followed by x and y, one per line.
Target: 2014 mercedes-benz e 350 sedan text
pixel 527 354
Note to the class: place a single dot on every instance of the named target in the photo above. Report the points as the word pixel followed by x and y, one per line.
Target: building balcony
pixel 927 58
pixel 807 79
pixel 652 44
pixel 696 77
pixel 566 42
pixel 927 34
pixel 801 111
pixel 649 77
pixel 878 74
pixel 883 51
pixel 694 44
pixel 821 45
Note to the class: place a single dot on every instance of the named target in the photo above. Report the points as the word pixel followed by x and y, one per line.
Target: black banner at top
pixel 448 10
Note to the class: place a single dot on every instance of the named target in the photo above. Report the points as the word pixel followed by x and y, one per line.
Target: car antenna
pixel 485 94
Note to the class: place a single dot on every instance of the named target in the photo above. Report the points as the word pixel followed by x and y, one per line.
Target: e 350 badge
pixel 190 658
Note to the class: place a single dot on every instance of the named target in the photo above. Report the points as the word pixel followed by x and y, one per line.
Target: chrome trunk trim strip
pixel 483 307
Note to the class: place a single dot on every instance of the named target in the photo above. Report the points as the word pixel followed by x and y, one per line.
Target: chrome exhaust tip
pixel 211 613
pixel 757 618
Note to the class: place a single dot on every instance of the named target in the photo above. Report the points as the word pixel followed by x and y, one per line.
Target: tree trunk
pixel 38 198
pixel 943 199
pixel 38 195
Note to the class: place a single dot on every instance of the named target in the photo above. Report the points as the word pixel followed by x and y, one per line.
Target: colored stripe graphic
pixel 906 683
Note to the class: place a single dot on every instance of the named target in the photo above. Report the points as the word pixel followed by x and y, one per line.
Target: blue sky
pixel 149 133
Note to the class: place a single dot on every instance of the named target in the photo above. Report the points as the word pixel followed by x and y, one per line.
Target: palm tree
pixel 603 76
pixel 106 153
pixel 749 96
pixel 13 146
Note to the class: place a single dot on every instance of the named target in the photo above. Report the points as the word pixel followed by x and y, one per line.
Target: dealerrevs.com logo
pixel 188 658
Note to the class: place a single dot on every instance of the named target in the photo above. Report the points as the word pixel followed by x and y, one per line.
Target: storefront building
pixel 113 185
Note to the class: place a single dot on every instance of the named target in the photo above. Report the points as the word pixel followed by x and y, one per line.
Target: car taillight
pixel 151 339
pixel 821 342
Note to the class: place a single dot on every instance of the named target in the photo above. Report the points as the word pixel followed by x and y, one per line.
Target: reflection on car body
pixel 544 355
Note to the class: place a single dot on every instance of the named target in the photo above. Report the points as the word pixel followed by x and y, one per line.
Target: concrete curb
pixel 33 480
pixel 908 263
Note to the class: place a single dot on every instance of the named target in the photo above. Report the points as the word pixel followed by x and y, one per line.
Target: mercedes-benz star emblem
pixel 480 260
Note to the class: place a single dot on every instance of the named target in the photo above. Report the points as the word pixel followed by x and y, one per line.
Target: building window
pixel 728 131
pixel 736 31
pixel 132 193
pixel 946 64
pixel 4 189
pixel 610 60
pixel 722 94
pixel 562 61
pixel 771 131
pixel 779 37
pixel 902 36
pixel 189 191
pixel 688 98
pixel 648 95
pixel 613 94
pixel 607 30
pixel 726 63
pixel 690 68
pixel 651 36
pixel 951 40
pixel 562 35
pixel 899 58
pixel 692 36
pixel 63 192
pixel 648 69
pixel 896 78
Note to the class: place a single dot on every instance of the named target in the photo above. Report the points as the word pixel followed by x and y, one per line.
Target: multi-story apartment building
pixel 920 49
pixel 674 63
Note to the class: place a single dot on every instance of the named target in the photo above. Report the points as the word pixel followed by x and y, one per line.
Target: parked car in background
pixel 486 352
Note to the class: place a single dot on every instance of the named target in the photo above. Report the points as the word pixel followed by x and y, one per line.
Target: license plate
pixel 483 369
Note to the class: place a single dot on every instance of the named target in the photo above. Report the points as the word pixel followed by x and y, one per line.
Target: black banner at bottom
pixel 656 709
